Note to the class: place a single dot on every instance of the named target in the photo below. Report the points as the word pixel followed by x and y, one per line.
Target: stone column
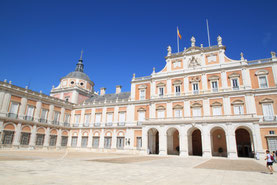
pixel 47 138
pixel 37 111
pixel 59 139
pixel 206 141
pixel 5 105
pixel 69 139
pixel 162 141
pixel 16 139
pixel 79 141
pixel 22 108
pixel 183 140
pixel 90 139
pixel 231 142
pixel 50 115
pixel 102 136
pixel 144 141
pixel 32 143
pixel 113 146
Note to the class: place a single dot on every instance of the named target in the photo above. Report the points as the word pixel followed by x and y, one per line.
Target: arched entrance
pixel 173 146
pixel 195 142
pixel 153 141
pixel 218 141
pixel 244 144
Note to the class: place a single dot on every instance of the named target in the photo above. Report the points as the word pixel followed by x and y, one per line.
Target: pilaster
pixel 47 137
pixel 16 140
pixel 59 138
pixel 22 108
pixel 5 105
pixel 206 141
pixel 183 140
pixel 162 141
pixel 37 111
pixel 32 143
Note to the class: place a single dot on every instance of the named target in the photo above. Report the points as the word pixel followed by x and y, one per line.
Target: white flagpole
pixel 177 40
pixel 208 32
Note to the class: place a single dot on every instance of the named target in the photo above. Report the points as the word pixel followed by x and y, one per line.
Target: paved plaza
pixel 75 167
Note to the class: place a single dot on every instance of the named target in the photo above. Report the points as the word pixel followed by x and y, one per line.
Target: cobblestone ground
pixel 62 167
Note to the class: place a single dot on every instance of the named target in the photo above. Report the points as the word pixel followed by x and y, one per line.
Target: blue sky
pixel 41 41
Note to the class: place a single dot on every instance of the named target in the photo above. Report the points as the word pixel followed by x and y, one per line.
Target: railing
pixel 195 91
pixel 259 61
pixel 215 90
pixel 43 120
pixel 203 118
pixel 109 124
pixel 56 122
pixel 142 78
pixel 85 124
pixel 97 124
pixel 66 124
pixel 29 118
pixel 12 115
pixel 121 124
pixel 269 118
pixel 75 125
pixel 235 88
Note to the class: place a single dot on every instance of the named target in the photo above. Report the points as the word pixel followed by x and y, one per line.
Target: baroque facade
pixel 201 103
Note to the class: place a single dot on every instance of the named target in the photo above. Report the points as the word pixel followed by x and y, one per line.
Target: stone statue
pixel 273 54
pixel 219 41
pixel 241 56
pixel 168 50
pixel 192 41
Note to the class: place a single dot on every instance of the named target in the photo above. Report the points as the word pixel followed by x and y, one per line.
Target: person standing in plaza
pixel 269 161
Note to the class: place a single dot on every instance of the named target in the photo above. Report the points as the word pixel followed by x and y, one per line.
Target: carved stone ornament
pixel 266 100
pixel 219 41
pixel 214 77
pixel 237 102
pixel 194 105
pixel 194 62
pixel 142 87
pixel 177 82
pixel 192 41
pixel 261 72
pixel 234 75
pixel 168 50
pixel 178 106
pixel 160 108
pixel 195 79
pixel 216 104
pixel 273 54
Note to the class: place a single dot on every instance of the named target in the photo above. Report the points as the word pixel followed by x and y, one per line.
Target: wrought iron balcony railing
pixel 29 118
pixel 12 115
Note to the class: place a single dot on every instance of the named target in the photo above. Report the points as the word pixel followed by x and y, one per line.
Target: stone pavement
pixel 61 167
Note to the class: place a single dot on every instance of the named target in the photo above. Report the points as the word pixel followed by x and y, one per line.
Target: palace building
pixel 201 103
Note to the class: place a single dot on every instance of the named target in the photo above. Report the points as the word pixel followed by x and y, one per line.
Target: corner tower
pixel 75 87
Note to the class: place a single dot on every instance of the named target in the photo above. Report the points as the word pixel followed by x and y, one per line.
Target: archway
pixel 153 141
pixel 244 144
pixel 173 146
pixel 195 142
pixel 218 141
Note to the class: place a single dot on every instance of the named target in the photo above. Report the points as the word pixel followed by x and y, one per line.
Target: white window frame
pixel 98 117
pixel 56 116
pixel 14 108
pixel 161 91
pixel 196 112
pixel 268 117
pixel 30 111
pixel 195 84
pixel 139 142
pixel 239 108
pixel 261 76
pixel 122 117
pixel 109 117
pixel 77 118
pixel 217 110
pixel 178 113
pixel 232 83
pixel 142 94
pixel 87 119
pixel 176 88
pixel 161 113
pixel 141 115
pixel 214 82
pixel 176 64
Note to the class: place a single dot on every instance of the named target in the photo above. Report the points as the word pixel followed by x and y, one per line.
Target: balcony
pixel 235 88
pixel 12 115
pixel 195 91
pixel 29 118
pixel 43 120
pixel 86 125
pixel 109 124
pixel 66 124
pixel 215 90
pixel 269 118
pixel 75 125
pixel 97 124
pixel 121 124
pixel 56 122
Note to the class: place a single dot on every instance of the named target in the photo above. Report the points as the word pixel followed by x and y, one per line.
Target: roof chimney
pixel 102 91
pixel 118 89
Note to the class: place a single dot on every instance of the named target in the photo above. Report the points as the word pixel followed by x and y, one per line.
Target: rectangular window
pixel 8 137
pixel 25 138
pixel 64 141
pixel 98 118
pixel 142 94
pixel 161 91
pixel 196 112
pixel 56 118
pixel 74 141
pixel 271 132
pixel 263 82
pixel 178 113
pixel 95 142
pixel 53 140
pixel 43 116
pixel 13 110
pixel 77 119
pixel 195 88
pixel 87 119
pixel 177 64
pixel 109 117
pixel 84 142
pixel 120 143
pixel 235 84
pixel 107 142
pixel 268 112
pixel 40 139
pixel 141 115
pixel 139 142
pixel 67 118
pixel 238 109
pixel 177 90
pixel 30 111
pixel 217 110
pixel 214 86
pixel 160 113
pixel 121 117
